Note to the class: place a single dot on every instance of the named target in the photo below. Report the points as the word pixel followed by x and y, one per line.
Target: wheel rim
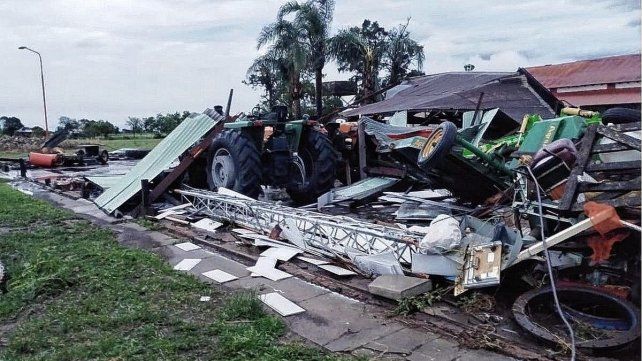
pixel 222 168
pixel 299 165
pixel 432 142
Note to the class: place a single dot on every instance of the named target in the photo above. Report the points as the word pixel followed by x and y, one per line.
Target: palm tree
pixel 400 52
pixel 288 47
pixel 361 50
pixel 313 17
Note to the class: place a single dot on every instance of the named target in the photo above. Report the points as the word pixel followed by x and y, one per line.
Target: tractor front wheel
pixel 234 162
pixel 437 146
pixel 315 164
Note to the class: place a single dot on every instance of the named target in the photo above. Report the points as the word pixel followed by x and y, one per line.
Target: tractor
pixel 269 150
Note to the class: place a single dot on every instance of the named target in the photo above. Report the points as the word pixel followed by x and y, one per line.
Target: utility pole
pixel 42 81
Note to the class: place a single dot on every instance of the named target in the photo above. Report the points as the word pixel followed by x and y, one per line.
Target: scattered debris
pixel 219 276
pixel 266 267
pixel 280 253
pixel 187 246
pixel 397 287
pixel 187 264
pixel 280 304
pixel 206 224
pixel 337 270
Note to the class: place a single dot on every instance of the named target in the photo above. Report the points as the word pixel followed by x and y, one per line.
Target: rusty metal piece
pixel 579 299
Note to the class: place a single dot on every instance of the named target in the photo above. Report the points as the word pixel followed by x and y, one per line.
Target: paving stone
pixel 353 340
pixel 330 316
pixel 260 284
pixel 368 354
pixel 173 254
pixel 437 349
pixel 297 290
pixel 404 341
pixel 397 287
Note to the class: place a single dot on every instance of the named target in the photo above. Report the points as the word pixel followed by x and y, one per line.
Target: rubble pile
pixel 539 217
pixel 14 143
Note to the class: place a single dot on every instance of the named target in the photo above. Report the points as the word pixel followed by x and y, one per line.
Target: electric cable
pixel 548 265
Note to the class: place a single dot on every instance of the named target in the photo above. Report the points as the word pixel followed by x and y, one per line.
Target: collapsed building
pixel 455 183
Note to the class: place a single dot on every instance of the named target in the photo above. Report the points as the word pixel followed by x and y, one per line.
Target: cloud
pixel 112 59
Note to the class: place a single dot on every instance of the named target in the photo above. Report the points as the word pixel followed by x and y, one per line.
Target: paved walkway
pixel 338 323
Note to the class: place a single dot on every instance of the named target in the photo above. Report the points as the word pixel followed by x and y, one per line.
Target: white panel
pixel 281 304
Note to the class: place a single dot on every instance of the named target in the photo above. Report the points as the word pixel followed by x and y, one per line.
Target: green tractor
pixel 272 151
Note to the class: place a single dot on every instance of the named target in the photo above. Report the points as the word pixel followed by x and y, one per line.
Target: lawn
pixel 75 294
pixel 143 141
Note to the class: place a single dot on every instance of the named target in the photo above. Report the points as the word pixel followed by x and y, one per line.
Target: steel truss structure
pixel 327 234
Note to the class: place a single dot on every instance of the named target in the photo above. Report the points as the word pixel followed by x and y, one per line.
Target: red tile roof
pixel 614 69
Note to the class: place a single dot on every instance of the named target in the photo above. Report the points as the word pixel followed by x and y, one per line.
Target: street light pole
pixel 42 81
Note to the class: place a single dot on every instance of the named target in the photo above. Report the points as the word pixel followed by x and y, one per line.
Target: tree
pixel 469 67
pixel 135 124
pixel 360 50
pixel 288 47
pixel 149 124
pixel 10 125
pixel 68 124
pixel 313 18
pixel 399 54
pixel 264 72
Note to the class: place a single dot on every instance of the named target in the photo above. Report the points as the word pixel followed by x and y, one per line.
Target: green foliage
pixel 10 125
pixel 76 294
pixel 407 306
pixel 163 124
pixel 370 49
pixel 401 51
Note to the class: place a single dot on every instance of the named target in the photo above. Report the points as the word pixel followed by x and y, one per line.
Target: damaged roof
pixel 605 81
pixel 511 92
pixel 613 69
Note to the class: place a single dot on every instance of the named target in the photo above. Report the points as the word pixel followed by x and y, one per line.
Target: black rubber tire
pixel 246 160
pixel 621 115
pixel 441 149
pixel 320 161
pixel 103 158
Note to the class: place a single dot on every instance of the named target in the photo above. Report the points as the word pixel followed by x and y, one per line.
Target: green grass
pixel 143 141
pixel 76 294
pixel 14 154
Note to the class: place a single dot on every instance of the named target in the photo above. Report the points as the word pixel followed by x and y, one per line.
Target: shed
pixel 452 93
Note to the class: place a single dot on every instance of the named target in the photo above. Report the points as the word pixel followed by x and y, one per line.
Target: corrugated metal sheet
pixel 614 69
pixel 104 182
pixel 159 159
pixel 460 91
pixel 602 97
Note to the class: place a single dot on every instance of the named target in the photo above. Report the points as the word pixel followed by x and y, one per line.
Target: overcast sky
pixel 111 59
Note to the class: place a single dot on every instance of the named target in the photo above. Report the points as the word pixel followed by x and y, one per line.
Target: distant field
pixel 117 143
pixel 143 141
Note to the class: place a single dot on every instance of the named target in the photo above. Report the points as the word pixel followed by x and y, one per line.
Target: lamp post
pixel 42 80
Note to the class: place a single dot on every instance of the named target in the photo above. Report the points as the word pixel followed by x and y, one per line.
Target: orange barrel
pixel 44 160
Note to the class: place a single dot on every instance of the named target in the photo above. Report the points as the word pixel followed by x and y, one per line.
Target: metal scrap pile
pixel 548 206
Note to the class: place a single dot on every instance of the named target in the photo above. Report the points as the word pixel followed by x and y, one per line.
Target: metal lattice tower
pixel 327 234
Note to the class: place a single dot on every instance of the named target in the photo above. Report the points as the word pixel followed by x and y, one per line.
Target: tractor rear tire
pixel 437 146
pixel 234 162
pixel 621 115
pixel 320 163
